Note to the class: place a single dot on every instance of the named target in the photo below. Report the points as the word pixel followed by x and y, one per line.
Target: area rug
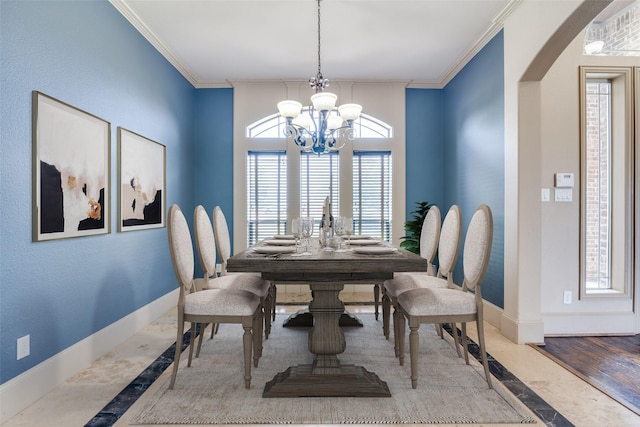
pixel 212 390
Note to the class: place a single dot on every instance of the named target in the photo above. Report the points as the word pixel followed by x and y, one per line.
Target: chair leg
pixel 454 329
pixel 176 358
pixel 376 298
pixel 247 341
pixel 399 327
pixel 465 346
pixel 274 299
pixel 413 350
pixel 257 339
pixel 267 315
pixel 203 327
pixel 483 351
pixel 398 336
pixel 386 311
pixel 258 332
pixel 192 343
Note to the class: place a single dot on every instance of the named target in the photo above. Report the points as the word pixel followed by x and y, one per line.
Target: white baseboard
pixel 23 390
pixel 522 332
pixel 492 314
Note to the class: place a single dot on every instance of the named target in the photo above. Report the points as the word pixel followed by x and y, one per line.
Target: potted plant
pixel 413 228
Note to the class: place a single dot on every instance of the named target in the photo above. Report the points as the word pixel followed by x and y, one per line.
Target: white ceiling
pixel 216 42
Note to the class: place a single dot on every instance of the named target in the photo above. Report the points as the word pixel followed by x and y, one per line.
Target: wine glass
pixel 348 229
pixel 306 230
pixel 295 230
pixel 339 227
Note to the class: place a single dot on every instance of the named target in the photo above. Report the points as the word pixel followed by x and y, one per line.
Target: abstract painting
pixel 142 182
pixel 71 171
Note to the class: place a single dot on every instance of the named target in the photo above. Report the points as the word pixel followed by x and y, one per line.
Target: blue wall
pixel 474 152
pixel 86 54
pixel 214 151
pixel 424 163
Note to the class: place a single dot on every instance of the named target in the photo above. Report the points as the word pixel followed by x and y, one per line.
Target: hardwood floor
pixel 611 364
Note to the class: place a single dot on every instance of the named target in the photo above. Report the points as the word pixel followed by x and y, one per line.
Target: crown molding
pixel 148 34
pixel 496 25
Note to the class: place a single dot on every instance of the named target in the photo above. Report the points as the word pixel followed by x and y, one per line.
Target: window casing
pixel 607 185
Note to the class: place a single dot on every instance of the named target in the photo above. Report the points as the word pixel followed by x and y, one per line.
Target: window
pixel 607 195
pixel 372 193
pixel 319 178
pixel 266 194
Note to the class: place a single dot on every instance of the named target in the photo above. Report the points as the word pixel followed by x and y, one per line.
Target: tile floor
pixel 560 397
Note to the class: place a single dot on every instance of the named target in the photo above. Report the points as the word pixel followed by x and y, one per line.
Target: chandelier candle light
pixel 323 129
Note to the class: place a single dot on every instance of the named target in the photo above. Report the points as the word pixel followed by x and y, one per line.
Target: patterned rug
pixel 449 392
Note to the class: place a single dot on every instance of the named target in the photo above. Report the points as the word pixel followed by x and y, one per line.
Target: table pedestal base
pixel 304 318
pixel 350 381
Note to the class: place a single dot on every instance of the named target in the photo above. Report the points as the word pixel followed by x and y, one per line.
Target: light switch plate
pixel 564 195
pixel 545 195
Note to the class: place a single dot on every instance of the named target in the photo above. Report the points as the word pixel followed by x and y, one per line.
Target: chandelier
pixel 323 128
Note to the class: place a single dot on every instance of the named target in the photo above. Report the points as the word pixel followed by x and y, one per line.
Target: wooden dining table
pixel 326 273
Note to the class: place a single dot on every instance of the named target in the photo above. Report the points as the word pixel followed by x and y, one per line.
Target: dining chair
pixel 206 244
pixel 448 249
pixel 452 304
pixel 223 243
pixel 429 237
pixel 216 306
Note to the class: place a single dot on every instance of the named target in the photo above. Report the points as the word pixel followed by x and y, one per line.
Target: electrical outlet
pixel 567 297
pixel 23 347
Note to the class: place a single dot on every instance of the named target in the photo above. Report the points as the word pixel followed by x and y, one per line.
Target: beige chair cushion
pixel 221 302
pixel 407 281
pixel 245 281
pixel 436 302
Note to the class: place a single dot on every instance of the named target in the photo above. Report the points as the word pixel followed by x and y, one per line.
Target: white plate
pixel 375 250
pixel 366 242
pixel 360 237
pixel 274 249
pixel 284 236
pixel 280 242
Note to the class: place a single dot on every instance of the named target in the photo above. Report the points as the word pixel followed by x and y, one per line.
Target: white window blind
pixel 319 178
pixel 372 193
pixel 266 194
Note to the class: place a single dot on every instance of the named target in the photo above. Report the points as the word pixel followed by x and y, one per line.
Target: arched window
pixel 273 127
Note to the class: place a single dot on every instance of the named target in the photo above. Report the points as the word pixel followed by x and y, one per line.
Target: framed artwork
pixel 71 171
pixel 142 182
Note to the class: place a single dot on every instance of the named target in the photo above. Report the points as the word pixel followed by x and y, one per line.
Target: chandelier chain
pixel 319 72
